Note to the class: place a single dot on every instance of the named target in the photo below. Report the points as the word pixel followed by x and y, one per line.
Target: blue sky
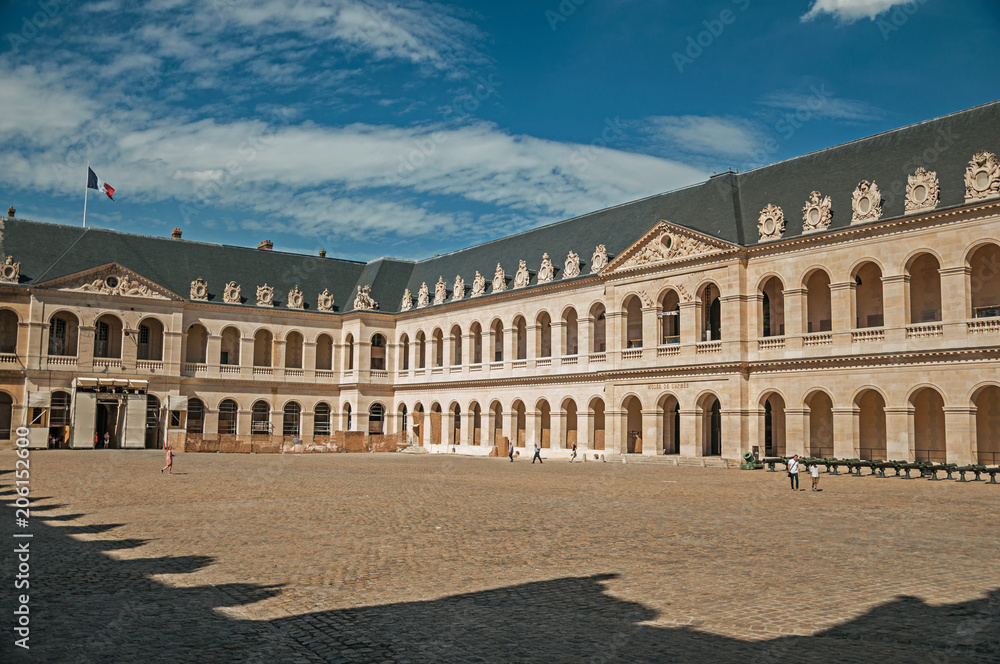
pixel 413 128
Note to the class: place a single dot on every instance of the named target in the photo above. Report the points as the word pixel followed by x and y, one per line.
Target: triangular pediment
pixel 665 243
pixel 110 279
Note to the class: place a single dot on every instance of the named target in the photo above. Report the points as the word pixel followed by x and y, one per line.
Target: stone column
pixel 558 332
pixel 796 431
pixel 895 306
pixel 652 437
pixel 842 312
pixel 533 332
pixel 509 345
pixel 211 424
pixel 246 360
pixel 956 307
pixel 615 338
pixel 615 430
pixel 585 343
pixel 213 353
pixel 689 312
pixel 959 434
pixel 795 317
pixel 845 445
pixel 691 433
pixel 584 429
pixel 468 419
pixel 650 334
pixel 899 436
pixel 307 426
pixel 243 422
pixel 557 434
pixel 532 423
pixel 309 360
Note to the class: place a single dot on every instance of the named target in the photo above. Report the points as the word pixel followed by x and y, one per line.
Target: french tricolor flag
pixel 94 182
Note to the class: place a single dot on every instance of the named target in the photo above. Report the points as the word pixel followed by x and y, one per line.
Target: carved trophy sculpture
pixel 324 301
pixel 922 191
pixel 265 296
pixel 440 291
pixel 10 272
pixel 771 223
pixel 546 271
pixel 866 202
pixel 199 289
pixel 478 285
pixel 499 280
pixel 599 260
pixel 572 266
pixel 522 275
pixel 458 292
pixel 407 302
pixel 816 215
pixel 363 300
pixel 231 294
pixel 423 297
pixel 982 177
pixel 295 298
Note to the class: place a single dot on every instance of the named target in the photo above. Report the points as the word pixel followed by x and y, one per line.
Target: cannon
pixel 976 468
pixel 771 461
pixel 750 462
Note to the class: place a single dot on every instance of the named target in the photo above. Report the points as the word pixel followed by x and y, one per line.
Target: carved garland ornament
pixel 816 213
pixel 265 295
pixel 407 302
pixel 499 280
pixel 982 177
pixel 572 266
pixel 458 292
pixel 10 272
pixel 324 300
pixel 771 223
pixel 546 271
pixel 363 300
pixel 599 260
pixel 440 291
pixel 922 191
pixel 522 276
pixel 667 246
pixel 866 202
pixel 199 289
pixel 295 299
pixel 231 294
pixel 478 285
pixel 114 285
pixel 423 297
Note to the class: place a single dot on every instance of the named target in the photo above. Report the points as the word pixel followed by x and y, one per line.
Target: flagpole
pixel 85 188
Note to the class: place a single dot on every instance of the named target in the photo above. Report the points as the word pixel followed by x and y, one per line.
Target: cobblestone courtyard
pixel 426 558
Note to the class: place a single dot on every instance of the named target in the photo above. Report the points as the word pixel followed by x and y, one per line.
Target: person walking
pixel 510 451
pixel 538 454
pixel 107 439
pixel 793 472
pixel 814 474
pixel 170 462
pixel 572 457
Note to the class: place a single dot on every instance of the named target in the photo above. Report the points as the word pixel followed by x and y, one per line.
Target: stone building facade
pixel 844 303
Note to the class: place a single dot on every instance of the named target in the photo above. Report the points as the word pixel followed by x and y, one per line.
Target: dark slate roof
pixel 726 206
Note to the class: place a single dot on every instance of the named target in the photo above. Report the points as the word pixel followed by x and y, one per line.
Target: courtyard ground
pixel 431 558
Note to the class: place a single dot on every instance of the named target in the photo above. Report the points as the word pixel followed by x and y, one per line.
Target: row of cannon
pixel 902 469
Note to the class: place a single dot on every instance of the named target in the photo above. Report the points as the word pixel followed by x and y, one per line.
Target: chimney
pixel 266 245
pixel 11 212
pixel 322 253
pixel 176 234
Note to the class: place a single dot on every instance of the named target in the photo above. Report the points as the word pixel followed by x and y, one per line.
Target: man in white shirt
pixel 793 472
pixel 814 474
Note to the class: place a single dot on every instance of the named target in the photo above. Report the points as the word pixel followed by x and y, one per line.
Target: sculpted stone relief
pixel 295 299
pixel 10 272
pixel 407 303
pixel 771 223
pixel 982 177
pixel 922 190
pixel 546 271
pixel 458 291
pixel 866 202
pixel 423 296
pixel 231 294
pixel 599 260
pixel 363 300
pixel 478 285
pixel 499 280
pixel 572 266
pixel 123 285
pixel 265 296
pixel 324 301
pixel 667 246
pixel 816 214
pixel 440 291
pixel 522 275
pixel 199 289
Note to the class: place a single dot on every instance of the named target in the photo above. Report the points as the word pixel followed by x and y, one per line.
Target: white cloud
pixel 822 104
pixel 849 11
pixel 708 136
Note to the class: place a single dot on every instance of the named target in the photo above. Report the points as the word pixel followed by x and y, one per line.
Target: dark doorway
pixel 108 421
pixel 715 442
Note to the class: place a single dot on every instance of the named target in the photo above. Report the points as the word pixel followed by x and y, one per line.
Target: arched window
pixel 521 337
pixel 290 422
pixel 984 281
pixel 108 337
pixel 633 426
pixel 868 296
pixel 8 331
pixel 871 425
pixel 571 340
pixel 987 403
pixel 262 342
pixel 930 442
pixel 597 414
pixel 670 318
pixel 925 289
pixel 476 435
pixel 196 416
pixel 324 353
pixel 64 331
pixel 820 317
pixel 544 424
pixel 347 417
pixel 820 424
pixel 59 414
pixel 404 353
pixel 421 350
pixel 229 353
pixel 711 425
pixel 438 348
pixel 197 344
pixel 150 341
pixel 600 325
pixel 152 441
pixel 633 323
pixel 711 305
pixel 293 350
pixel 477 343
pixel 378 353
pixel 376 419
pixel 349 352
pixel 260 418
pixel 497 328
pixel 227 417
pixel 670 411
pixel 321 419
pixel 544 323
pixel 456 346
pixel 569 412
pixel 772 308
